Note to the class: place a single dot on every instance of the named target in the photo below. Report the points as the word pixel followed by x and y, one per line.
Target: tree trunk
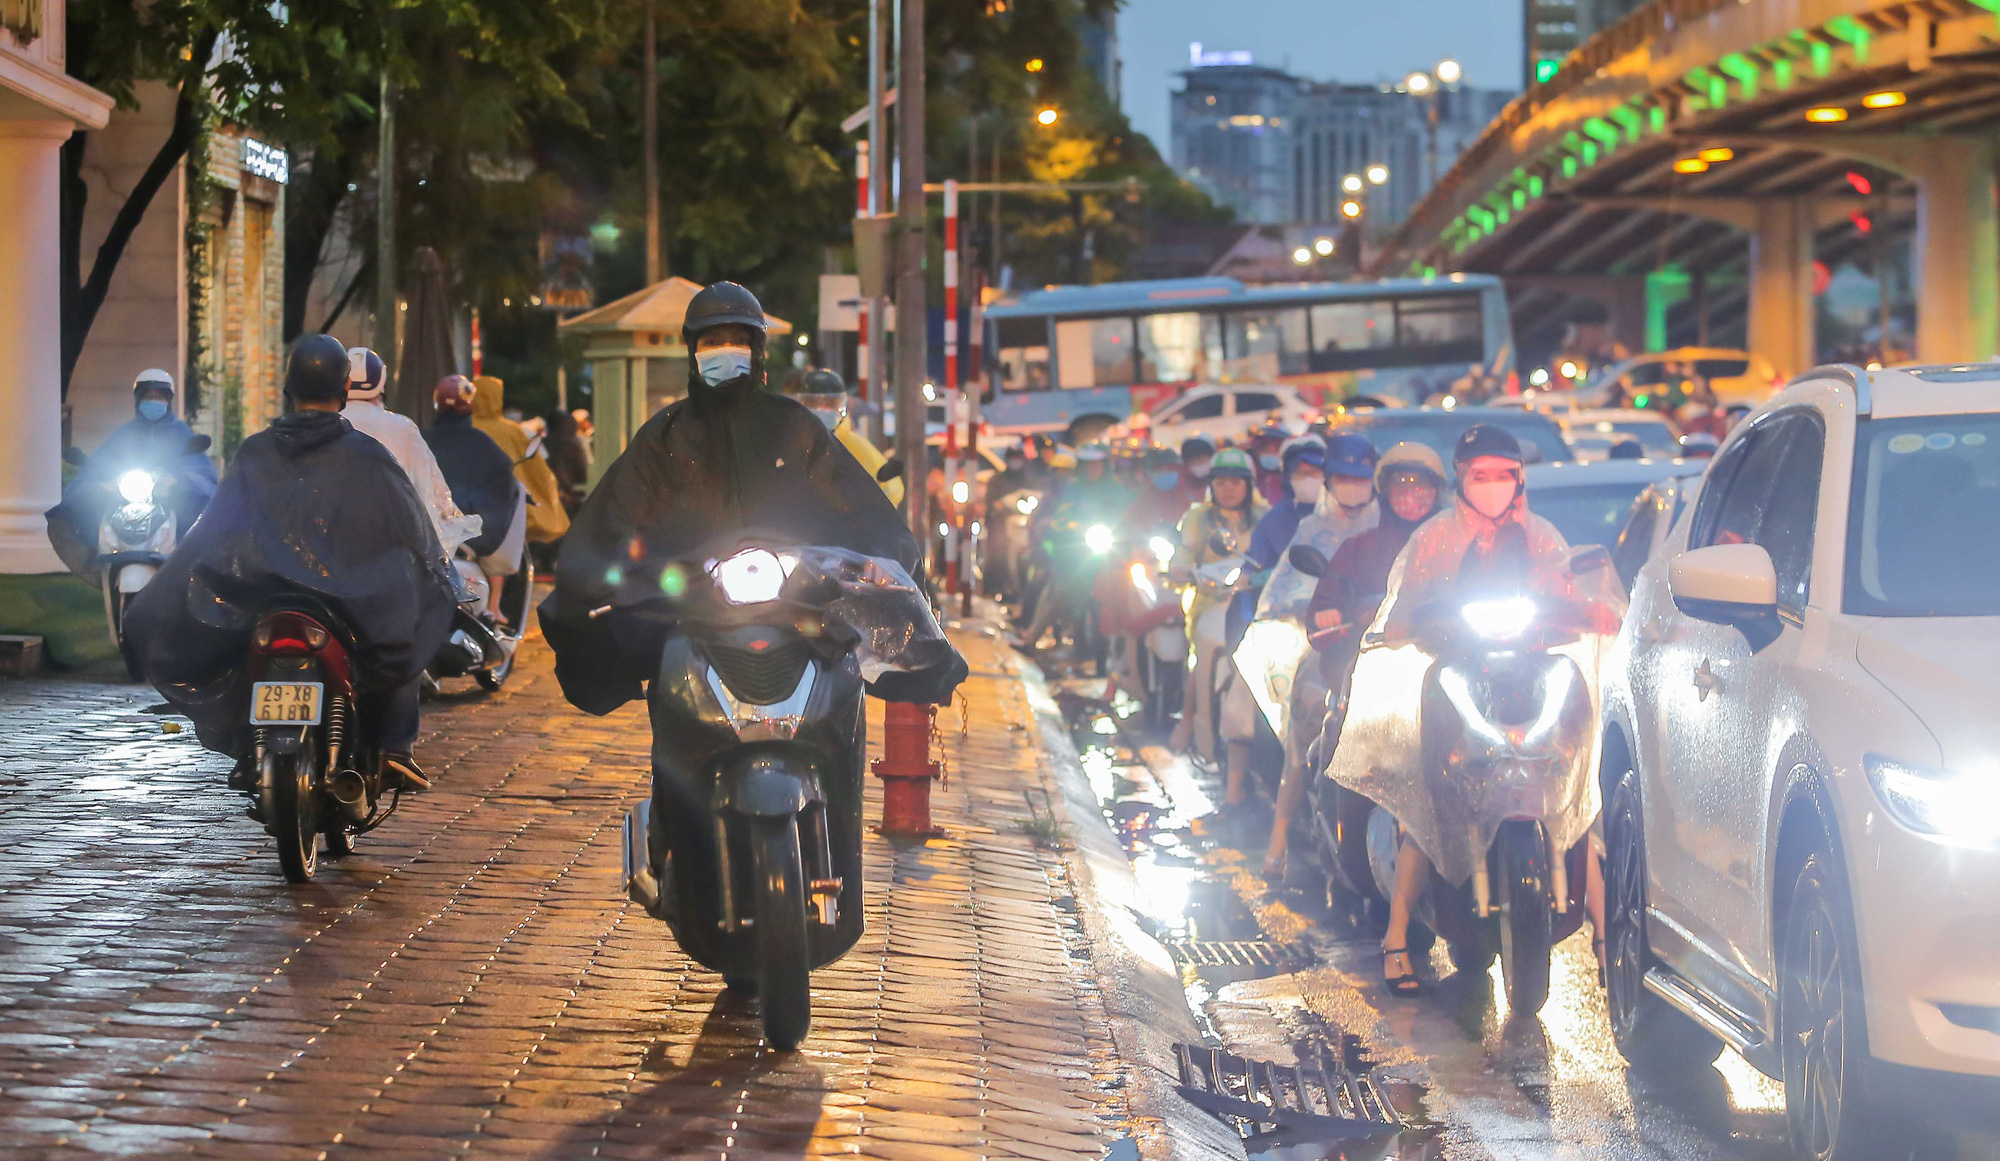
pixel 90 298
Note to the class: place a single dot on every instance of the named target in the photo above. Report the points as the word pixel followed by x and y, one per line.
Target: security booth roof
pixel 658 309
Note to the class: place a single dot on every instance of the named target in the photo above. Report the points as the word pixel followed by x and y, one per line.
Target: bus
pixel 1078 358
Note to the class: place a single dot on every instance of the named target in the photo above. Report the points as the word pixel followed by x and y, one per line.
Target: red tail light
pixel 289 633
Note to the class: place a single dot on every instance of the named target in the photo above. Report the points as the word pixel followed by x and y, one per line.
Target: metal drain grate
pixel 1319 1100
pixel 1242 953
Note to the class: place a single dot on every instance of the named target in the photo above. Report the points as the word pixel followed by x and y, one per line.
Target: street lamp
pixel 1323 246
pixel 1047 116
pixel 1378 174
pixel 1302 256
pixel 1351 183
pixel 1426 85
pixel 1448 71
pixel 1350 209
pixel 1418 83
pixel 1035 65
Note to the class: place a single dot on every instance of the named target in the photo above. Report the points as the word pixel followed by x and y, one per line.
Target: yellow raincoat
pixel 547 521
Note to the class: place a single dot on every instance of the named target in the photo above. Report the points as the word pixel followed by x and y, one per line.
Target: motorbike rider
pixel 547 518
pixel 1267 448
pixel 1160 506
pixel 311 507
pixel 1347 506
pixel 1090 497
pixel 1229 516
pixel 824 393
pixel 364 412
pixel 1197 460
pixel 1488 519
pixel 155 440
pixel 1408 481
pixel 481 478
pixel 728 460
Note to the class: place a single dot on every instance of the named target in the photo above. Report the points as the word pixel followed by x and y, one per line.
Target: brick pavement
pixel 473 983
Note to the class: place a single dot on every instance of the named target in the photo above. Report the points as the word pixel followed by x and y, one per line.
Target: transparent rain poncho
pixel 1453 732
pixel 899 633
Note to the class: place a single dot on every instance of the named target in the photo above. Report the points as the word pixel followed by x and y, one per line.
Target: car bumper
pixel 1951 1101
pixel 1928 917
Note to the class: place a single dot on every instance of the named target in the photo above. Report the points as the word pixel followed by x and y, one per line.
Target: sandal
pixel 1406 985
pixel 1597 946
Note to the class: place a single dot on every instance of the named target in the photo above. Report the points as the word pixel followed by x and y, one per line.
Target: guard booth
pixel 638 363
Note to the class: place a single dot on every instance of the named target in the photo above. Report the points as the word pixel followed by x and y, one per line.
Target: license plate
pixel 285 703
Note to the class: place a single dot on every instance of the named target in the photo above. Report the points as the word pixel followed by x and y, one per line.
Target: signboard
pixel 266 161
pixel 568 262
pixel 1198 59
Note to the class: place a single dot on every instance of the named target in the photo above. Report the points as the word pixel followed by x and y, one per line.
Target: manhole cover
pixel 1241 953
pixel 1318 1100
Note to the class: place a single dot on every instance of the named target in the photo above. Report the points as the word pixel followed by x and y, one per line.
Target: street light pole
pixel 655 267
pixel 912 311
pixel 385 231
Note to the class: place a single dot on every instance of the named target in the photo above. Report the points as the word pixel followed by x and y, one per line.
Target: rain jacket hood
pixel 480 476
pixel 547 518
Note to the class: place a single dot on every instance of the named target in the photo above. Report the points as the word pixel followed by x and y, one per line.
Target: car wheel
pixel 1649 1032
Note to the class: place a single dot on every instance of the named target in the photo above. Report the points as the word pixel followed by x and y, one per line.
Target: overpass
pixel 1738 135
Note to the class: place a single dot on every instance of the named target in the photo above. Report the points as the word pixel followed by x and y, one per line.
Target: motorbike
pixel 1011 519
pixel 315 776
pixel 1216 580
pixel 1137 606
pixel 134 538
pixel 487 629
pixel 1475 737
pixel 750 845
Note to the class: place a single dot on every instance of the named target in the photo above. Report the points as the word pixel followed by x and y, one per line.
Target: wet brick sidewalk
pixel 472 982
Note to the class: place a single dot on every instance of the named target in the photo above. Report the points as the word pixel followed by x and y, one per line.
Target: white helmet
pixel 153 378
pixel 365 374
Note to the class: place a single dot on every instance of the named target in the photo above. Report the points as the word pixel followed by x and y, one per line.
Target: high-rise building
pixel 1553 28
pixel 1232 133
pixel 1099 34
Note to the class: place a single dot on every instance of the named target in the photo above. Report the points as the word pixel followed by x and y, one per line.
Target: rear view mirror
pixel 1217 545
pixel 74 456
pixel 891 469
pixel 198 444
pixel 1588 559
pixel 1728 584
pixel 1307 559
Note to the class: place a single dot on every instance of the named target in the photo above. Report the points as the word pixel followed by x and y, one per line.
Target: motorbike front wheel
pixel 1522 862
pixel 294 810
pixel 783 954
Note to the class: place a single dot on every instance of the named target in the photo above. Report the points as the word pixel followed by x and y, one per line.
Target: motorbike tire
pixel 492 679
pixel 784 955
pixel 1526 916
pixel 294 810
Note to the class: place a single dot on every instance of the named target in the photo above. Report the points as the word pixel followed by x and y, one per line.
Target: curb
pixel 1138 979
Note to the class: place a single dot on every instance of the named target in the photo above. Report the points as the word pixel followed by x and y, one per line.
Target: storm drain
pixel 1319 1100
pixel 1241 953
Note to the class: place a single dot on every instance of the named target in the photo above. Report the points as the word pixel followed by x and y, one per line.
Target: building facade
pixel 1231 126
pixel 1551 29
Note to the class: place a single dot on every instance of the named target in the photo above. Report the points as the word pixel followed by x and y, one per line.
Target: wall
pixel 241 313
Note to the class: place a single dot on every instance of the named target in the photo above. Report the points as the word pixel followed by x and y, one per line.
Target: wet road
pixel 1472 1082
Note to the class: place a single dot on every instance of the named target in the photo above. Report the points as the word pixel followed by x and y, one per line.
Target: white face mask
pixel 1492 499
pixel 1306 489
pixel 1353 493
pixel 1200 471
pixel 721 364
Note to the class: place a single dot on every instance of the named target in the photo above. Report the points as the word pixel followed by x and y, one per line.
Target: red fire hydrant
pixel 907 770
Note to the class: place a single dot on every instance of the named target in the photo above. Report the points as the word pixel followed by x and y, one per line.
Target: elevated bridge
pixel 1745 138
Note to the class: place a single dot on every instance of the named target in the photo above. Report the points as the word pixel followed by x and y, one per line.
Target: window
pixel 1263 345
pixel 1255 402
pixel 1200 407
pixel 1722 368
pixel 1438 322
pixel 1339 327
pixel 1023 353
pixel 1635 540
pixel 1793 508
pixel 1179 347
pixel 1094 352
pixel 1733 500
pixel 1923 533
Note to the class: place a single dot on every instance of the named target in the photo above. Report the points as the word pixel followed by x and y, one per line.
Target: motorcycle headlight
pixel 1163 550
pixel 1230 578
pixel 1026 505
pixel 1960 806
pixel 1500 620
pixel 751 577
pixel 1460 693
pixel 1098 538
pixel 136 486
pixel 1143 581
pixel 960 492
pixel 1555 696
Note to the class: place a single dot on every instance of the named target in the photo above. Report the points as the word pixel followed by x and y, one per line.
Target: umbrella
pixel 429 353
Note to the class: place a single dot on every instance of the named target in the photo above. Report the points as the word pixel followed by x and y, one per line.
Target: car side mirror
pixel 74 457
pixel 197 444
pixel 891 469
pixel 1307 559
pixel 1728 584
pixel 1588 559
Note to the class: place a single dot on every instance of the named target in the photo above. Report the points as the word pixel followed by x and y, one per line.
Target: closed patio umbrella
pixel 428 351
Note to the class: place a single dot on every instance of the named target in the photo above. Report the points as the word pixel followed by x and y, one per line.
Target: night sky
pixel 1343 40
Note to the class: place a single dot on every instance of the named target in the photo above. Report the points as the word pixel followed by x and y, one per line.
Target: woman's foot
pixel 1399 973
pixel 1274 863
pixel 1182 734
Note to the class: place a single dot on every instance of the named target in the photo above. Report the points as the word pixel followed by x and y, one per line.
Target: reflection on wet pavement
pixel 1468 1081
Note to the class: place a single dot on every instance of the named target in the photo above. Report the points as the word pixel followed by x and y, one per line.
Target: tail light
pixel 289 633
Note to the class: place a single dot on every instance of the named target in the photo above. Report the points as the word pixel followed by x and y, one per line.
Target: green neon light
pixel 1656 119
pixel 1504 214
pixel 1718 92
pixel 1629 117
pixel 1520 199
pixel 1739 66
pixel 1535 186
pixel 1589 153
pixel 1430 272
pixel 1569 165
pixel 1545 70
pixel 1854 33
pixel 1597 127
pixel 1822 58
pixel 1781 72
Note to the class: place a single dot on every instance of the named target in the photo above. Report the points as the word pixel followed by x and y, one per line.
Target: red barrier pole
pixel 861 329
pixel 907 770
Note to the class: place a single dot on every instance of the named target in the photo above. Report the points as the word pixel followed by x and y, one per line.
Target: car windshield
pixel 1923 535
pixel 1589 514
pixel 1539 435
pixel 1654 436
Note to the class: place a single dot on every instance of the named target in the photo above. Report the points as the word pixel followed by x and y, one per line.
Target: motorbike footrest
pixel 641 885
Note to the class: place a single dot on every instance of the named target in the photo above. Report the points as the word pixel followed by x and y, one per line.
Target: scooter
pixel 134 538
pixel 750 846
pixel 486 630
pixel 1490 775
pixel 1217 581
pixel 315 775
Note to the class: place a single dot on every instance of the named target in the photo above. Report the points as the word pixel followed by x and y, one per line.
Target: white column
pixel 1957 256
pixel 30 342
pixel 1781 299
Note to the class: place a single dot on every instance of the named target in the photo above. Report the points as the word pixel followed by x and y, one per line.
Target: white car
pixel 1734 376
pixel 1801 763
pixel 1593 432
pixel 1226 414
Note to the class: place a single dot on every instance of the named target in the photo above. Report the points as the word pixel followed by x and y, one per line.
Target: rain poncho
pixel 1288 591
pixel 700 476
pixel 1432 558
pixel 480 475
pixel 310 508
pixel 547 518
pixel 407 445
pixel 1198 526
pixel 868 456
pixel 158 446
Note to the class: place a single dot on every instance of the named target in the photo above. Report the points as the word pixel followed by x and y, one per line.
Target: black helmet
pixel 720 304
pixel 821 381
pixel 1197 445
pixel 318 369
pixel 1485 439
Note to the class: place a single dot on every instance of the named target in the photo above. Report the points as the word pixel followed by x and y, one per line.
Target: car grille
pixel 762 667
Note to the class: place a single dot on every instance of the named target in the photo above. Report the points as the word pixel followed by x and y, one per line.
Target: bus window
pixel 1023 353
pixel 1179 347
pixel 1342 329
pixel 1094 352
pixel 1439 322
pixel 1262 345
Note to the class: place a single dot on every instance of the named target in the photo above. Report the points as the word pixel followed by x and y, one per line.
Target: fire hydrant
pixel 907 770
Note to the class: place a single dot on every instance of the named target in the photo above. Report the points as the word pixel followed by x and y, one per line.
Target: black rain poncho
pixel 701 475
pixel 481 477
pixel 310 507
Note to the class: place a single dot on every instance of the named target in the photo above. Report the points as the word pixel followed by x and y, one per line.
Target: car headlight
pixel 1500 620
pixel 1098 538
pixel 1163 550
pixel 136 486
pixel 1961 806
pixel 1026 505
pixel 751 577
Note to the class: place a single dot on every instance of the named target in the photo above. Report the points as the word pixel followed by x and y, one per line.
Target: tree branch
pixel 361 272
